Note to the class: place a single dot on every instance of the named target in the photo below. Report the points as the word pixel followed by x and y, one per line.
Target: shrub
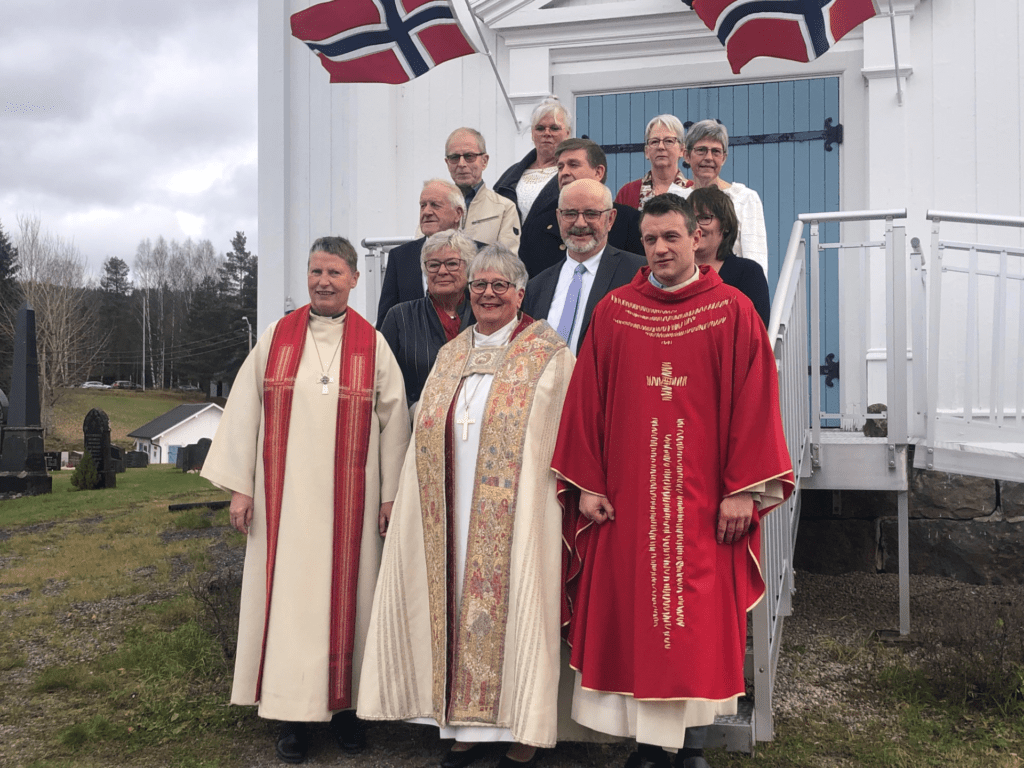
pixel 85 476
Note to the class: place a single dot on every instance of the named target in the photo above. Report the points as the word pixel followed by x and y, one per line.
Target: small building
pixel 180 426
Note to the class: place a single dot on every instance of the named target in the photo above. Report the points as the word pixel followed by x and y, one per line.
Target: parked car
pixel 126 385
pixel 95 385
pixel 189 388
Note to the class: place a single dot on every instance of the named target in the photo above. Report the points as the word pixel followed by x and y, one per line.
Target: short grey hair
pixel 671 122
pixel 498 258
pixel 551 106
pixel 481 145
pixel 448 239
pixel 707 129
pixel 336 246
pixel 606 194
pixel 455 196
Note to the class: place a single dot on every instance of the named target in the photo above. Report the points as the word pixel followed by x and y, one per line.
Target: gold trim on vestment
pixel 483 616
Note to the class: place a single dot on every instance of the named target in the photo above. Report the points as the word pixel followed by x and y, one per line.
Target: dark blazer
pixel 746 276
pixel 547 200
pixel 403 278
pixel 414 332
pixel 541 243
pixel 617 268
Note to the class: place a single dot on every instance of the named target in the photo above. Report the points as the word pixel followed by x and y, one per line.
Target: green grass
pixel 127 410
pixel 157 485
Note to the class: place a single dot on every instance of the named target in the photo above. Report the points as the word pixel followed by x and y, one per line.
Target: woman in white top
pixel 531 182
pixel 707 147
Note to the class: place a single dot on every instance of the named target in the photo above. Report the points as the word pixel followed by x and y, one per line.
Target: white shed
pixel 180 426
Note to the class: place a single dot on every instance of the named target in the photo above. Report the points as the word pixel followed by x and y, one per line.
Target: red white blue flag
pixel 798 30
pixel 381 41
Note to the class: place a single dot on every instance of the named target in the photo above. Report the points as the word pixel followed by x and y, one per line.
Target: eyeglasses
pixel 705 218
pixel 498 286
pixel 452 265
pixel 668 141
pixel 569 215
pixel 469 157
pixel 716 152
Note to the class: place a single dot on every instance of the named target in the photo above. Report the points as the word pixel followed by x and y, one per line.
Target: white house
pixel 184 425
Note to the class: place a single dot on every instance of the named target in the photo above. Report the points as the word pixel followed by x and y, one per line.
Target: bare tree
pixel 52 279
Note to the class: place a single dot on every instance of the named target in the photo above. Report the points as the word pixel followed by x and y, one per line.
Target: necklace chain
pixel 324 379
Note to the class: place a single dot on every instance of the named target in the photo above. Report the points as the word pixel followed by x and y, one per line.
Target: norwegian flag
pixel 381 41
pixel 798 30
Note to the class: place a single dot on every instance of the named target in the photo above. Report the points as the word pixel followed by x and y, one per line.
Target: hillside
pixel 127 411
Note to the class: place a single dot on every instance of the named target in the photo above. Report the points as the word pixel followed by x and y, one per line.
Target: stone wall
pixel 969 528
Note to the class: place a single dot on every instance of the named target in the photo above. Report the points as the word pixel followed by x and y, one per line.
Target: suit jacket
pixel 542 243
pixel 617 268
pixel 403 278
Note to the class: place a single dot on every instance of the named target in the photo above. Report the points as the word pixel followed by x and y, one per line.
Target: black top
pixel 541 245
pixel 415 334
pixel 746 276
pixel 403 278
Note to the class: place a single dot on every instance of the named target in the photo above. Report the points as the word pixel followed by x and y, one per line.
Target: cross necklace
pixel 324 378
pixel 465 421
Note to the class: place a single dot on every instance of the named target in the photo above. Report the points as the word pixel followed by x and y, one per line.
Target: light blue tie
pixel 572 300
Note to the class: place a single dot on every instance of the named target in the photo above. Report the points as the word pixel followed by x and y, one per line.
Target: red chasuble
pixel 673 405
pixel 351 445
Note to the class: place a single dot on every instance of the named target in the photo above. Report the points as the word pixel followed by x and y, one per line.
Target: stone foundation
pixel 967 528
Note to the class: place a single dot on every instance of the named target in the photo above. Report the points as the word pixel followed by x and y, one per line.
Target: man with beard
pixel 566 293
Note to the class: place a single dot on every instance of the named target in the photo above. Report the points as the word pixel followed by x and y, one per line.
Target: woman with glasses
pixel 663 146
pixel 532 182
pixel 465 629
pixel 707 147
pixel 716 217
pixel 417 329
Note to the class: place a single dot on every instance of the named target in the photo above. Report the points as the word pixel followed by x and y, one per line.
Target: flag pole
pixel 895 55
pixel 487 53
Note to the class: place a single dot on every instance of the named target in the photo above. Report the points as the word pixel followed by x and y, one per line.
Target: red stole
pixel 351 445
pixel 450 325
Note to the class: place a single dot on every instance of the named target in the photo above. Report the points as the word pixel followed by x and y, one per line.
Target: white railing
pixel 787 332
pixel 975 366
pixel 376 263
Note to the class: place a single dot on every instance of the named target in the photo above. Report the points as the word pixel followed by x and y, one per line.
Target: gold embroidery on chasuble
pixel 668 323
pixel 483 615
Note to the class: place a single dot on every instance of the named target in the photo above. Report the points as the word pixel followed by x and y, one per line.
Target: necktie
pixel 572 300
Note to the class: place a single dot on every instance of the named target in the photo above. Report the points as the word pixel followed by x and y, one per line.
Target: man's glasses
pixel 716 152
pixel 452 265
pixel 498 286
pixel 469 157
pixel 705 218
pixel 569 215
pixel 669 141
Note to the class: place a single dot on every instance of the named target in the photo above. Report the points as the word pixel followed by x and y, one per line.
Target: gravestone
pixel 137 459
pixel 22 464
pixel 96 428
pixel 117 459
pixel 192 457
pixel 52 459
pixel 179 458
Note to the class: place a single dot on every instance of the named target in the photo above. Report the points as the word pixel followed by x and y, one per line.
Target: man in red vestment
pixel 672 439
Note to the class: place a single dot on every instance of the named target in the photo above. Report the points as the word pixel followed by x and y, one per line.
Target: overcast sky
pixel 127 119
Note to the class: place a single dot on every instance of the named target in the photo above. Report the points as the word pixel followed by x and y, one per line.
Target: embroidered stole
pixel 468 650
pixel 351 445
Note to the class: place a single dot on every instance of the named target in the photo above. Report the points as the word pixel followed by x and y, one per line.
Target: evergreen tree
pixel 85 476
pixel 123 340
pixel 238 292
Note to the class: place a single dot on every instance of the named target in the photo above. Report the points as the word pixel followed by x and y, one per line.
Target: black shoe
pixel 293 744
pixel 508 762
pixel 649 757
pixel 349 731
pixel 461 759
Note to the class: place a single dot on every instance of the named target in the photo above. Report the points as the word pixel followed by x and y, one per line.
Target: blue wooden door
pixel 778 136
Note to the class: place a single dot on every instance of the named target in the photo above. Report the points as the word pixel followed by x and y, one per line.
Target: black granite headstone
pixel 117 459
pixel 137 459
pixel 22 464
pixel 52 459
pixel 96 428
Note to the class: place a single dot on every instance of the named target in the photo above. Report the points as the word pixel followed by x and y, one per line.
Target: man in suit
pixel 441 207
pixel 542 244
pixel 490 218
pixel 567 292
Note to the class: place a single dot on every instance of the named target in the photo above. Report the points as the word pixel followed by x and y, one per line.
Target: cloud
pixel 123 120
